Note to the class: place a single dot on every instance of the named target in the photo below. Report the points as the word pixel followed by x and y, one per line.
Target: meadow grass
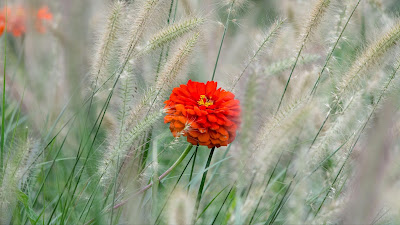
pixel 84 141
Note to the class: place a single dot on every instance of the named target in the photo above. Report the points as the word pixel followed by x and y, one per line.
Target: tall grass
pixel 318 84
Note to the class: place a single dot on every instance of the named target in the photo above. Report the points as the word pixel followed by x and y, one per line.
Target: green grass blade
pixel 203 179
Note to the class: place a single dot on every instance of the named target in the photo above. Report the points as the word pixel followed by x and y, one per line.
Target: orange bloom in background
pixel 2 27
pixel 3 13
pixel 204 114
pixel 17 19
pixel 42 15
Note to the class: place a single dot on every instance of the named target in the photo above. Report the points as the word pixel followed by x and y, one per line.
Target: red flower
pixel 42 15
pixel 17 19
pixel 211 116
pixel 2 27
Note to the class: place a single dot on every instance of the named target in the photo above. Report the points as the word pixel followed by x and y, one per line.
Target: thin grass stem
pixel 222 40
pixel 203 180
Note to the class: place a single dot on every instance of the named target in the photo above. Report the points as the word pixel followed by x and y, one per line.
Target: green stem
pixel 333 49
pixel 295 62
pixel 203 180
pixel 4 99
pixel 223 37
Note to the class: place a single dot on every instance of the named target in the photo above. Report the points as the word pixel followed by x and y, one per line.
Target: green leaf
pixel 24 199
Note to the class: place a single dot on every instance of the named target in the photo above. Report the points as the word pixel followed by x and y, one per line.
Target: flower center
pixel 205 101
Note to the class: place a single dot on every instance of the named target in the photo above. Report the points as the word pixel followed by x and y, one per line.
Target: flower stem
pixel 203 179
pixel 162 176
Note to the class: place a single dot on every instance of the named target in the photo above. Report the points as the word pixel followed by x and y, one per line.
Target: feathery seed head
pixel 172 32
pixel 315 18
pixel 352 80
pixel 119 147
pixel 106 44
pixel 180 208
pixel 136 30
pixel 176 63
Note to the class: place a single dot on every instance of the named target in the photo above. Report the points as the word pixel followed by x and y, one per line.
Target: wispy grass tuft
pixel 176 63
pixel 352 80
pixel 107 43
pixel 111 159
pixel 173 32
pixel 313 21
pixel 120 150
pixel 136 30
pixel 272 32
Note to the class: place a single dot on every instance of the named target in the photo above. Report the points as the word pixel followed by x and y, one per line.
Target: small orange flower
pixel 3 13
pixel 42 15
pixel 2 27
pixel 210 115
pixel 17 19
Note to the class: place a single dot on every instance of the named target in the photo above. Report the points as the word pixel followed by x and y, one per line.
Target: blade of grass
pixel 214 172
pixel 176 184
pixel 115 192
pixel 265 41
pixel 100 120
pixel 208 205
pixel 199 174
pixel 203 179
pixel 223 203
pixel 277 209
pixel 162 176
pixel 3 111
pixel 250 185
pixel 191 171
pixel 295 62
pixel 162 49
pixel 265 189
pixel 222 40
pixel 314 89
pixel 17 122
pixel 360 132
pixel 284 198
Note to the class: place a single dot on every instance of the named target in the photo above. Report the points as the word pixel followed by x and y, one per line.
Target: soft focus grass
pixel 83 139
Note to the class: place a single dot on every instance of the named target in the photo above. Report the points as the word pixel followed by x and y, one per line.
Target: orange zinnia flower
pixel 211 115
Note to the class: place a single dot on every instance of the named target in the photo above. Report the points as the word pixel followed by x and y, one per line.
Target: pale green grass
pixel 314 79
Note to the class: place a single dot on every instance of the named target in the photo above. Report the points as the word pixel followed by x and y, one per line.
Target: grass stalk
pixel 314 89
pixel 176 184
pixel 203 180
pixel 3 111
pixel 222 40
pixel 162 176
pixel 314 20
pixel 191 171
pixel 223 203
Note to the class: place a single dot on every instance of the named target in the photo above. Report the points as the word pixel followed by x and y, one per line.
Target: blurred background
pixel 319 91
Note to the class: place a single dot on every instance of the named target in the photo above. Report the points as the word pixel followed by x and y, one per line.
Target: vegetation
pixel 85 86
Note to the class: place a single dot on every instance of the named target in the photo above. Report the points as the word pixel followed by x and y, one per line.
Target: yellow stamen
pixel 207 102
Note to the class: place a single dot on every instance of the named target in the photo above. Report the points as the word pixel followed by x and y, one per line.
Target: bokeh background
pixel 300 157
